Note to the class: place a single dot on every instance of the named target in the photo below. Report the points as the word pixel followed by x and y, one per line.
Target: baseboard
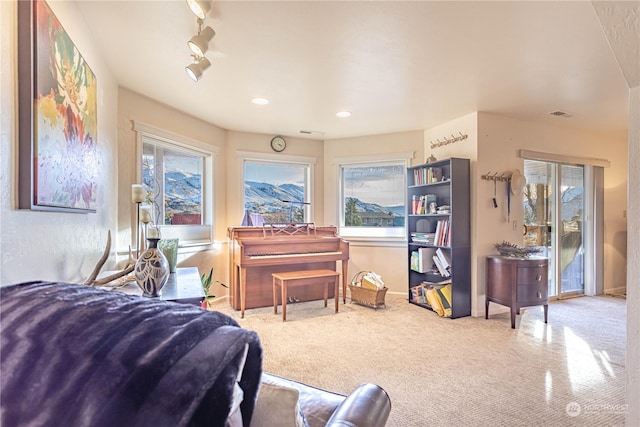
pixel 618 291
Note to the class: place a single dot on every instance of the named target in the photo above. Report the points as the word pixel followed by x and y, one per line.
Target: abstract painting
pixel 58 163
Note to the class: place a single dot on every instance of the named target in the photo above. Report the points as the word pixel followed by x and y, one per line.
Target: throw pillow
pixel 277 406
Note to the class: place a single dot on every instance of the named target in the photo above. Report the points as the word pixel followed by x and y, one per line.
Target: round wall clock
pixel 278 143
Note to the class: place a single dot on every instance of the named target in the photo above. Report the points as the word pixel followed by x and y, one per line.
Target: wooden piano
pixel 257 252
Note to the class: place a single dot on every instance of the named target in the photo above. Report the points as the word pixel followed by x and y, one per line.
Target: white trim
pixel 370 158
pixel 208 152
pixel 370 234
pixel 274 158
pixel 561 158
pixel 269 158
pixel 377 242
pixel 588 233
pixel 173 138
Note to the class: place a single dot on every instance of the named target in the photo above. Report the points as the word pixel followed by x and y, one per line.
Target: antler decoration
pixel 92 281
pixel 510 249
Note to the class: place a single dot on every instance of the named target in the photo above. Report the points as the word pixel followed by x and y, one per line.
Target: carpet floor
pixel 463 372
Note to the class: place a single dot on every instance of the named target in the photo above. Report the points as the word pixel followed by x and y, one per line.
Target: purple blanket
pixel 72 355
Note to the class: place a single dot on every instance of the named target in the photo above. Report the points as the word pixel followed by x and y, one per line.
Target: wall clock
pixel 278 143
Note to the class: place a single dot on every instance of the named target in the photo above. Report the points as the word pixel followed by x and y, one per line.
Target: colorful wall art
pixel 58 162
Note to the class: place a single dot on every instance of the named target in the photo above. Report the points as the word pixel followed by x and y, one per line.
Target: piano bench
pixel 303 278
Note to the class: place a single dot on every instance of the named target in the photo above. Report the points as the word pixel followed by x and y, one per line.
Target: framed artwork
pixel 57 108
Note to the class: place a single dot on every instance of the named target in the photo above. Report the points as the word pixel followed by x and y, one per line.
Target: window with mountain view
pixel 277 191
pixel 176 173
pixel 373 199
pixel 173 180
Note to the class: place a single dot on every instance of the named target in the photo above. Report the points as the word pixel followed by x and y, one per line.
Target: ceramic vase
pixel 152 270
pixel 169 248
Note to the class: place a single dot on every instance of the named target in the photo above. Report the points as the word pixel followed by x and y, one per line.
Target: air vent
pixel 311 132
pixel 561 114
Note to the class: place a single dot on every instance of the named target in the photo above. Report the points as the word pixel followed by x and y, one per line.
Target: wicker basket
pixel 365 296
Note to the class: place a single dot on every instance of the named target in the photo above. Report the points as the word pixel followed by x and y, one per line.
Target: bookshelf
pixel 439 232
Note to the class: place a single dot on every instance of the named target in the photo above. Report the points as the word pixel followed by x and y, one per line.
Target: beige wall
pixel 390 261
pixel 466 148
pixel 135 107
pixel 54 245
pixel 493 146
pixel 258 145
pixel 499 142
pixel 633 273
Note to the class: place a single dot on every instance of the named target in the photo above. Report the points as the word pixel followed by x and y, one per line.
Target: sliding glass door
pixel 553 217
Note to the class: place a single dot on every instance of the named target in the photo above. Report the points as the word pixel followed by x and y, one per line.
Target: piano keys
pixel 257 252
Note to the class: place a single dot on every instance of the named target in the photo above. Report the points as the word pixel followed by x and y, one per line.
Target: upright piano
pixel 257 252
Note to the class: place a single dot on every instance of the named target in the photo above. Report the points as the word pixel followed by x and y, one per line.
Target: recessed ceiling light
pixel 343 114
pixel 260 101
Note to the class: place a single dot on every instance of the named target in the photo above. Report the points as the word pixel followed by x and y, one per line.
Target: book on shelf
pixel 429 283
pixel 419 294
pixel 443 271
pixel 443 233
pixel 444 258
pixel 426 175
pixel 426 238
pixel 438 233
pixel 422 260
pixel 443 209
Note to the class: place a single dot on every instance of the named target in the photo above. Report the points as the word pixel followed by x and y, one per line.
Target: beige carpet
pixel 463 372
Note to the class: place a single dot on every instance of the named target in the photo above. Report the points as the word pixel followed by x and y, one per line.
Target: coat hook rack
pixel 495 177
pixel 446 141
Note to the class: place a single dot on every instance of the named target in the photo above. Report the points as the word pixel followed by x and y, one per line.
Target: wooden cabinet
pixel 516 283
pixel 441 222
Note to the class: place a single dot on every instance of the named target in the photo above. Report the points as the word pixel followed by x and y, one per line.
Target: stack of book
pixel 443 233
pixel 420 204
pixel 426 238
pixel 442 262
pixel 427 175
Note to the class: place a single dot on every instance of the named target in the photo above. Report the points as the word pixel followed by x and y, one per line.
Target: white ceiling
pixel 397 66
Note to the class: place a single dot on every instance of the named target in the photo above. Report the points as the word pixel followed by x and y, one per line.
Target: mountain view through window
pixel 277 191
pixel 373 195
pixel 173 181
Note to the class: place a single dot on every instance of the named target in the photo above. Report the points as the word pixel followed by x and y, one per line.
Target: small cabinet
pixel 516 283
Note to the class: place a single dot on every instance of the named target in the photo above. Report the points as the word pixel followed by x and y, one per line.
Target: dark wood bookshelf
pixel 452 188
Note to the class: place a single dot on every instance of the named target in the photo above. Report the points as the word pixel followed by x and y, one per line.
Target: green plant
pixel 207 281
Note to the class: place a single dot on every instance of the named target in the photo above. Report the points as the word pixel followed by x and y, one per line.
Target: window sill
pixel 188 247
pixel 376 241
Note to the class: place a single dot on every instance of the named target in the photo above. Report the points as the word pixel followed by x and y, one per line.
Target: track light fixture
pixel 199 44
pixel 196 69
pixel 200 8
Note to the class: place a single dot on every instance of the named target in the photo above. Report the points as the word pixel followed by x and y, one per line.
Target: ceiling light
pixel 199 44
pixel 200 8
pixel 195 70
pixel 343 114
pixel 260 101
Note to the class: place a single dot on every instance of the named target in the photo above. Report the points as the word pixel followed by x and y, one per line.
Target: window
pixel 372 198
pixel 277 191
pixel 173 181
pixel 174 172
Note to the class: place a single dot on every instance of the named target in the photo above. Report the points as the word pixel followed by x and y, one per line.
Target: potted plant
pixel 207 281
